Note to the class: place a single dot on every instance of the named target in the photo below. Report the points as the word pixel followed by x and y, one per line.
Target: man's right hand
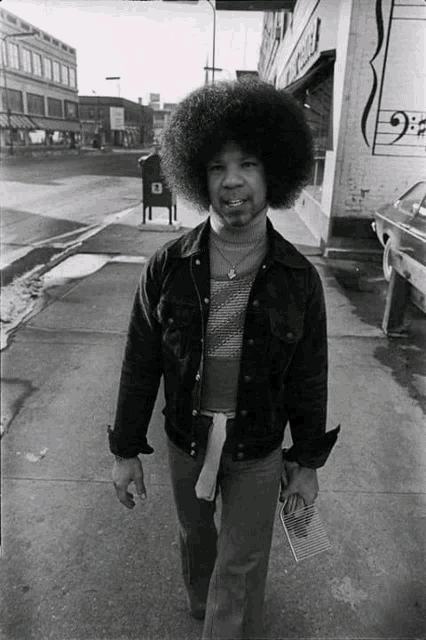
pixel 125 471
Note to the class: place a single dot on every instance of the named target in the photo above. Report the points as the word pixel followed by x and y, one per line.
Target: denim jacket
pixel 283 370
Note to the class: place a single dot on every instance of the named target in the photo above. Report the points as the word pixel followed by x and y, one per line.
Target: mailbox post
pixel 155 192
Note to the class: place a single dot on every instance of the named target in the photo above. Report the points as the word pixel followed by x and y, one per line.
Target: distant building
pixel 247 75
pixel 161 119
pixel 38 88
pixel 115 122
pixel 357 67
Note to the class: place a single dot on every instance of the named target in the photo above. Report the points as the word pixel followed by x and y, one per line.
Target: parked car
pixel 402 225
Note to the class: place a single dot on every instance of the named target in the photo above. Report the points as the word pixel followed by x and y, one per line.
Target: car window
pixel 410 201
pixel 422 208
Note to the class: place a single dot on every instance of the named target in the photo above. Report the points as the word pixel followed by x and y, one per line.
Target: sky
pixel 154 47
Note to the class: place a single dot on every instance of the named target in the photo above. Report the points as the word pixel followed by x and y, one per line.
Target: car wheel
pixel 387 267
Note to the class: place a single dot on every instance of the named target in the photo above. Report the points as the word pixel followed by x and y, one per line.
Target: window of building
pixel 12 19
pixel 64 74
pixel 54 107
pixel 71 110
pixel 56 72
pixel 47 63
pixel 73 81
pixel 16 104
pixel 317 101
pixel 26 60
pixel 37 137
pixel 13 51
pixel 37 64
pixel 35 104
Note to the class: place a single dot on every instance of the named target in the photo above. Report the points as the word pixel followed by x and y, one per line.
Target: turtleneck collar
pixel 251 232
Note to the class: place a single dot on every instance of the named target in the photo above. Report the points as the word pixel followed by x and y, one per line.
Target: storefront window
pixel 317 102
pixel 37 137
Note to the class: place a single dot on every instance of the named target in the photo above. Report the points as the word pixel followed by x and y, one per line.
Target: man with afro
pixel 233 318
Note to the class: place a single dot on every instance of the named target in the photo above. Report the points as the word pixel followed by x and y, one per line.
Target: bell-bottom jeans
pixel 225 572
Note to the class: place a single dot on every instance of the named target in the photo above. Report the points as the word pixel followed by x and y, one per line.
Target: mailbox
pixel 155 192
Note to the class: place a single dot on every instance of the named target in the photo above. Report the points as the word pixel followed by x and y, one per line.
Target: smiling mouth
pixel 234 203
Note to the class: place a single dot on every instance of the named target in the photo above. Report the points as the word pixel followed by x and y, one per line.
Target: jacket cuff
pixel 312 453
pixel 130 451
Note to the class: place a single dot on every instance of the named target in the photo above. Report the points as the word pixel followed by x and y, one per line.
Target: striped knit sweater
pixel 228 301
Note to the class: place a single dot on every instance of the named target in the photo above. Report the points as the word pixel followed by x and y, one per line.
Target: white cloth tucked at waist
pixel 205 488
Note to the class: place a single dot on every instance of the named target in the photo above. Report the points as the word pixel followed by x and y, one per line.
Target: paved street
pixel 77 566
pixel 46 198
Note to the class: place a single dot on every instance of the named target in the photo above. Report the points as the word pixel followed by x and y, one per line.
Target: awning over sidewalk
pixel 17 122
pixel 321 67
pixel 53 124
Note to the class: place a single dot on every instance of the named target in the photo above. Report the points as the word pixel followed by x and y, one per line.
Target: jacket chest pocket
pixel 286 333
pixel 177 326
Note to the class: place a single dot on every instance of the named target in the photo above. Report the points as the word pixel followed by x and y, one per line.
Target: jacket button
pixel 243 413
pixel 193 445
pixel 198 377
pixel 250 341
pixel 197 262
pixel 248 378
pixel 263 266
pixel 194 412
pixel 206 300
pixel 289 335
pixel 240 445
pixel 255 303
pixel 170 321
pixel 240 455
pixel 193 453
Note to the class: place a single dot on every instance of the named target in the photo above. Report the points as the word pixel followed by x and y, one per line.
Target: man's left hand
pixel 299 486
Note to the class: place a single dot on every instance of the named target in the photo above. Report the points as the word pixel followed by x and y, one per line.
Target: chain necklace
pixel 232 273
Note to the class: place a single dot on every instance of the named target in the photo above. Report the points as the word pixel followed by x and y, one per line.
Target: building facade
pixel 109 121
pixel 38 87
pixel 161 119
pixel 358 67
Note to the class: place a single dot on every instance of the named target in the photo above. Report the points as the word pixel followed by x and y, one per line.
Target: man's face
pixel 237 185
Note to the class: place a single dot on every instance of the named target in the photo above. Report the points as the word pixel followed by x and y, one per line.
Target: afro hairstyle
pixel 263 120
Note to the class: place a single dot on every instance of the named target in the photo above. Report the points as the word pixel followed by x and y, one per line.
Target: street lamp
pixel 118 83
pixel 21 34
pixel 214 38
pixel 213 6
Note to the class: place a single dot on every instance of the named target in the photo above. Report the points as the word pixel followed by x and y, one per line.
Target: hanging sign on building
pixel 305 50
pixel 116 115
pixel 400 122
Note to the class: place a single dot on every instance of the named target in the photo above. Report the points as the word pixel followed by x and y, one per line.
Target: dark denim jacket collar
pixel 280 250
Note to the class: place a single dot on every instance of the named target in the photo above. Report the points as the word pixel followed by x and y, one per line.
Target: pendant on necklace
pixel 232 273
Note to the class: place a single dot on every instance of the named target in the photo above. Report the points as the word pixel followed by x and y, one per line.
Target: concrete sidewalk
pixel 77 566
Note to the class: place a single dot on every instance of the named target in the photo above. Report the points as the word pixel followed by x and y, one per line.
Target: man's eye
pixel 215 167
pixel 249 163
